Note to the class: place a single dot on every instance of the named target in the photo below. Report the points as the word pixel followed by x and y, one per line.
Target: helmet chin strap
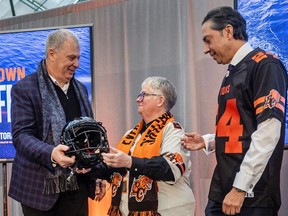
pixel 72 172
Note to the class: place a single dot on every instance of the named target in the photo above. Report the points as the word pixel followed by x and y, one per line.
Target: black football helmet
pixel 87 139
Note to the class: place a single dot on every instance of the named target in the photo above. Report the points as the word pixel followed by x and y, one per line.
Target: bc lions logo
pixel 272 99
pixel 140 187
pixel 176 159
pixel 116 182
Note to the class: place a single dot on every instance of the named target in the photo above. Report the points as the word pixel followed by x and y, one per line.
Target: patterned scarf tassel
pixel 114 211
pixel 143 213
pixel 59 184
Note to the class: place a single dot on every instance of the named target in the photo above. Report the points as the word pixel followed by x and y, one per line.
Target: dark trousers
pixel 215 209
pixel 72 203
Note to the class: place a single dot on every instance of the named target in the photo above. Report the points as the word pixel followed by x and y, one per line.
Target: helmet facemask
pixel 87 139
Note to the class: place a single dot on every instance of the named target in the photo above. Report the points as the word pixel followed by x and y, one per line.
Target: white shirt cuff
pixel 209 140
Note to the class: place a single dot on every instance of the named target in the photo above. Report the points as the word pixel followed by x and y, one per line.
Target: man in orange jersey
pixel 250 121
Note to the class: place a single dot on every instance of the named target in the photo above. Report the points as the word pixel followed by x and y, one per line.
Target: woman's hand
pixel 116 158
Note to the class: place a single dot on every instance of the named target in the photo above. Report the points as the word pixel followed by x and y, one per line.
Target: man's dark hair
pixel 222 16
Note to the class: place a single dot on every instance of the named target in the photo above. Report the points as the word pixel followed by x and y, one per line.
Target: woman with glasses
pixel 156 181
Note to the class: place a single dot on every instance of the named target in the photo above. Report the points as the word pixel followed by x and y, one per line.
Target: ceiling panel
pixel 22 7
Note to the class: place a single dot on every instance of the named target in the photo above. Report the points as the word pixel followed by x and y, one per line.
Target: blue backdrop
pixel 267 28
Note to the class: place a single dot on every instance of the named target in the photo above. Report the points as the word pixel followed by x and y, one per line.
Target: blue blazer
pixel 33 156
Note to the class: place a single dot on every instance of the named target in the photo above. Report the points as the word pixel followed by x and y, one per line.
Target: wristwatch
pixel 239 190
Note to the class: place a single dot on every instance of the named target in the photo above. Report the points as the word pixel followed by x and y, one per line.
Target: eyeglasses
pixel 143 94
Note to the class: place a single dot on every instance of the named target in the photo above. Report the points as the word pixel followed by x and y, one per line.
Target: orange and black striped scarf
pixel 143 198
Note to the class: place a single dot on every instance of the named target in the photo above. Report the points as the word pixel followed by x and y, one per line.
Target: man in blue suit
pixel 42 104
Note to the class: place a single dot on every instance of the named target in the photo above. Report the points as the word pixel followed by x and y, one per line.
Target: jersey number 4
pixel 229 126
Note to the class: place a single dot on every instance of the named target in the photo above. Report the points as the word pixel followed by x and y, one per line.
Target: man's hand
pixel 100 189
pixel 58 155
pixel 233 202
pixel 193 141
